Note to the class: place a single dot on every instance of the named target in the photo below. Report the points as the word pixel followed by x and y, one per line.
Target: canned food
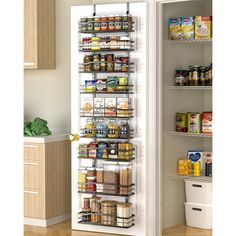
pixel 111 25
pixel 118 24
pixel 197 168
pixel 83 23
pixel 90 25
pixel 97 23
pixel 181 122
pixel 104 23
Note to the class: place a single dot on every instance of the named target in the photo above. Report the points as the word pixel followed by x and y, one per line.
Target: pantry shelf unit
pixel 108 159
pixel 106 31
pixel 107 72
pixel 189 41
pixel 94 137
pixel 108 117
pixel 107 194
pixel 192 178
pixel 188 87
pixel 183 134
pixel 116 92
pixel 97 224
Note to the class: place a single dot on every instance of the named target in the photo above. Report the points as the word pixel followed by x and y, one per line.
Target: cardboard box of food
pixel 110 106
pixel 175 32
pixel 195 156
pixel 98 106
pixel 194 122
pixel 203 27
pixel 184 166
pixel 207 122
pixel 86 106
pixel 187 27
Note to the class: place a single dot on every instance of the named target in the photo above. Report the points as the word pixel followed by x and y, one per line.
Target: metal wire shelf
pixel 200 135
pixel 188 87
pixel 191 177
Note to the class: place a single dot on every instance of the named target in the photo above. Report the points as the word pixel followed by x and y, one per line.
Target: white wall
pixel 47 92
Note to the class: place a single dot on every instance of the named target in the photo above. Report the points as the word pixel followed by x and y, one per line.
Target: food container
pixel 91 184
pixel 125 179
pixel 203 70
pixel 194 122
pixel 198 215
pixel 196 75
pixel 175 32
pixel 83 23
pixel 208 168
pixel 124 214
pixel 83 179
pixel 91 172
pixel 86 203
pixel 97 23
pixel 113 150
pixel 112 82
pixel 196 156
pixel 111 177
pixel 187 27
pixel 100 175
pixel 95 41
pixel 125 150
pixel 88 59
pixel 197 168
pixel 110 62
pixel 207 122
pixel 99 188
pixel 184 166
pixel 111 25
pixel 113 129
pixel 83 152
pixel 102 150
pixel 101 129
pixel 122 83
pixel 104 23
pixel 101 85
pixel 203 27
pixel 92 151
pixel 110 105
pixel 108 209
pixel 90 129
pixel 95 203
pixel 124 129
pixel 96 62
pixel 86 217
pixel 181 122
pixel 123 106
pixel 118 24
pixel 180 77
pixel 90 86
pixel 90 25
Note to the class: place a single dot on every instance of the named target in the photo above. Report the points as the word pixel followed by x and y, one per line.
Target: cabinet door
pixel 30 34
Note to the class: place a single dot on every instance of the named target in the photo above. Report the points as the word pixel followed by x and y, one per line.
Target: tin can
pixel 181 122
pixel 83 23
pixel 197 168
pixel 118 24
pixel 208 168
pixel 104 23
pixel 97 23
pixel 90 25
pixel 111 25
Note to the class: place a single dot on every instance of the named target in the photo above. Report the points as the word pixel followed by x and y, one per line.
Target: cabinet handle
pixel 30 146
pixel 31 192
pixel 29 64
pixel 31 163
pixel 196 209
pixel 197 185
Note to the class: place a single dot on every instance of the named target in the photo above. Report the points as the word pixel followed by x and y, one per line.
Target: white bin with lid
pixel 198 215
pixel 198 192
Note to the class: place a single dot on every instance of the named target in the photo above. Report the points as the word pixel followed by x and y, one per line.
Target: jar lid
pixel 99 169
pixel 84 171
pixel 125 164
pixel 109 203
pixel 91 177
pixel 81 168
pixel 91 168
pixel 124 204
pixel 110 163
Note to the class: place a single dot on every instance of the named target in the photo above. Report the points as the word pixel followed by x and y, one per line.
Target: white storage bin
pixel 199 216
pixel 198 192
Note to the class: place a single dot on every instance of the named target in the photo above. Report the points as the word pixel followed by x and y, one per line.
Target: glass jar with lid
pixel 90 25
pixel 180 79
pixel 113 129
pixel 104 23
pixel 90 128
pixel 101 129
pixel 196 75
pixel 125 178
pixel 83 179
pixel 124 129
pixel 118 23
pixel 124 214
pixel 111 25
pixel 97 23
pixel 83 23
pixel 108 209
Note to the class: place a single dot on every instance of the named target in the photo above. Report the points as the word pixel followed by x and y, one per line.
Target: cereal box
pixel 194 122
pixel 196 156
pixel 90 86
pixel 86 106
pixel 98 106
pixel 203 27
pixel 187 27
pixel 123 104
pixel 175 32
pixel 110 106
pixel 181 122
pixel 207 122
pixel 112 82
pixel 184 166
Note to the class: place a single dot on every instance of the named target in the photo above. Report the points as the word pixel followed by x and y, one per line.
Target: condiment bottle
pixel 90 129
pixel 197 168
pixel 124 129
pixel 113 129
pixel 101 129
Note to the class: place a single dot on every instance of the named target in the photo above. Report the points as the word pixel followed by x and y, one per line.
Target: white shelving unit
pixel 180 54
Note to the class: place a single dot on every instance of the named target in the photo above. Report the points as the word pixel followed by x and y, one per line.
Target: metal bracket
pixel 127 12
pixel 94 9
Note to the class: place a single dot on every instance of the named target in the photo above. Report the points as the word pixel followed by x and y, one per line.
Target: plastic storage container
pixel 199 216
pixel 198 192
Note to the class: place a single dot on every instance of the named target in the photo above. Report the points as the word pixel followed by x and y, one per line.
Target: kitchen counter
pixel 47 139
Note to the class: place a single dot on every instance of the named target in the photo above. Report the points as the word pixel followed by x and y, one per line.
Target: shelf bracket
pixel 94 9
pixel 127 12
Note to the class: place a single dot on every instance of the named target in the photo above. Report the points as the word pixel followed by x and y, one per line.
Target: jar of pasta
pixel 125 179
pixel 90 129
pixel 113 129
pixel 124 214
pixel 108 209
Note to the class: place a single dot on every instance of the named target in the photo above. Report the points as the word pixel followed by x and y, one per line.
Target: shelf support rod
pixel 127 12
pixel 94 9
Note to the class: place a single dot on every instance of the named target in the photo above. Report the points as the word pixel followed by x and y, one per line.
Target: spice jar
pixel 124 129
pixel 196 75
pixel 124 214
pixel 125 179
pixel 91 184
pixel 111 25
pixel 118 64
pixel 113 129
pixel 97 23
pixel 202 80
pixel 111 177
pixel 190 76
pixel 180 78
pixel 100 175
pixel 90 24
pixel 125 150
pixel 96 62
pixel 86 217
pixel 104 23
pixel 108 209
pixel 86 203
pixel 83 179
pixel 125 23
pixel 90 129
pixel 83 23
pixel 101 129
pixel 118 23
pixel 103 62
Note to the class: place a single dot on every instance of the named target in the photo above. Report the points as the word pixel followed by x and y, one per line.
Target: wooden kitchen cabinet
pixel 47 184
pixel 39 34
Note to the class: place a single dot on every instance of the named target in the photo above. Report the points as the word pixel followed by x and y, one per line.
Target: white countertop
pixel 47 139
